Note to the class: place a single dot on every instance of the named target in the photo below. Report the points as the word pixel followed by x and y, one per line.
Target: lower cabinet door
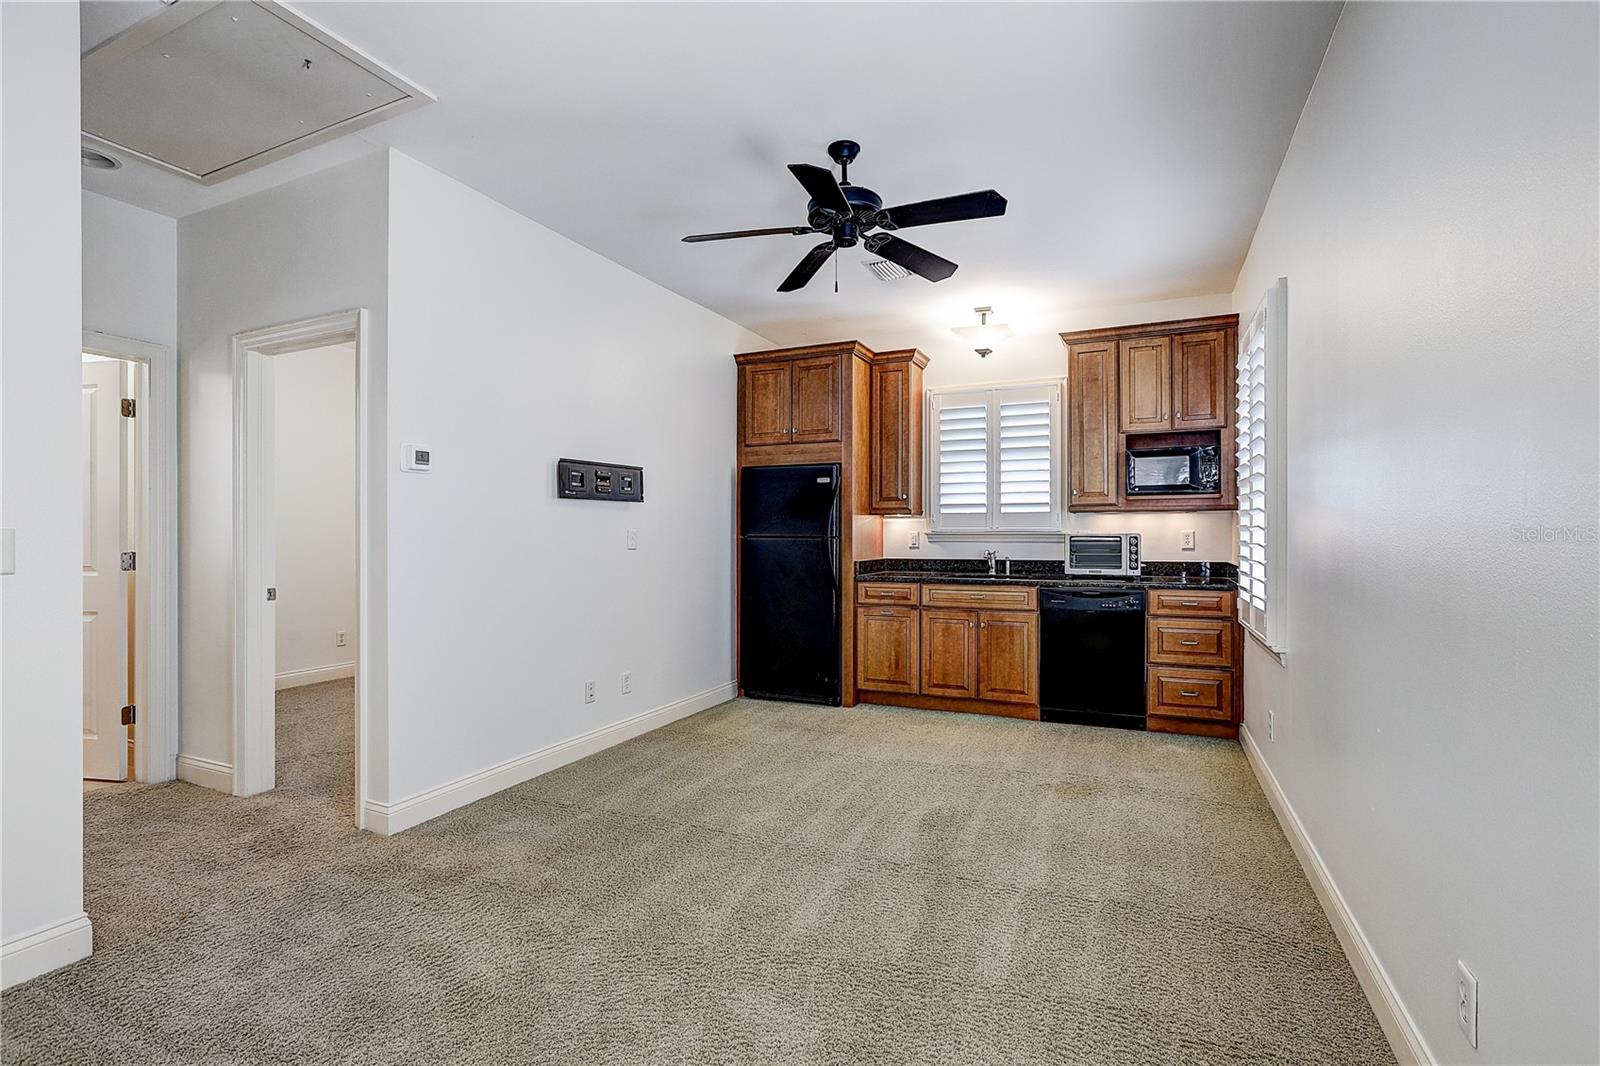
pixel 886 649
pixel 1008 656
pixel 949 653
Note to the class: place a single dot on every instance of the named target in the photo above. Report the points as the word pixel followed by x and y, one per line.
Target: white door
pixel 105 586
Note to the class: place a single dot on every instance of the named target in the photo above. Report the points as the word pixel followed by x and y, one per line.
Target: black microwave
pixel 1169 471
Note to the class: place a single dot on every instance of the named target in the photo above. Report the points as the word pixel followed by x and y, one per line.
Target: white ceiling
pixel 1136 142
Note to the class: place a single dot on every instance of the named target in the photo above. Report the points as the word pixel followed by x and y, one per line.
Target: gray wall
pixel 1436 717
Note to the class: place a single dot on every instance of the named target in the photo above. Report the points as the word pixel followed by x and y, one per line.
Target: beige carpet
pixel 760 883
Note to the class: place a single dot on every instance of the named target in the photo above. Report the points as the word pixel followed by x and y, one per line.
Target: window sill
pixel 1280 654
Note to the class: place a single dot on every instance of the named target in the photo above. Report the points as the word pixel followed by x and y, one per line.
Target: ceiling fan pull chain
pixel 836 274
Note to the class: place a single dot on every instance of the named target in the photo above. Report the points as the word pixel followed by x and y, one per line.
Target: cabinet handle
pixel 1189 643
pixel 885 614
pixel 1187 692
pixel 1188 603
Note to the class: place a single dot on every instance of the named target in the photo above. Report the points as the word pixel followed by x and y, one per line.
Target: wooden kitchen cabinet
pixel 792 401
pixel 817 398
pixel 1144 370
pixel 1153 385
pixel 895 482
pixel 1008 656
pixel 887 644
pixel 764 395
pixel 1200 369
pixel 1194 676
pixel 1092 440
pixel 949 653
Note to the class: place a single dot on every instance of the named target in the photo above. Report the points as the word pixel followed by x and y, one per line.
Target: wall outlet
pixel 1272 727
pixel 1466 1003
pixel 1186 540
pixel 588 692
pixel 633 540
pixel 339 639
pixel 627 682
pixel 916 540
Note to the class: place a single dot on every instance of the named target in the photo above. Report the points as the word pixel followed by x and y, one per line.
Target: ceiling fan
pixel 848 213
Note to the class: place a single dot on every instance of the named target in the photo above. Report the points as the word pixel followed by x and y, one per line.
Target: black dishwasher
pixel 1091 656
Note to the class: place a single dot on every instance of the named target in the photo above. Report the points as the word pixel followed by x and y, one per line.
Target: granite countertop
pixel 1046 573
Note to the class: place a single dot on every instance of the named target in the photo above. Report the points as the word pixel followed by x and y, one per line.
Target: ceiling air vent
pixel 884 270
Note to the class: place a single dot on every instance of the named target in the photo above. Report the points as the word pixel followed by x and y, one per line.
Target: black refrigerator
pixel 789 582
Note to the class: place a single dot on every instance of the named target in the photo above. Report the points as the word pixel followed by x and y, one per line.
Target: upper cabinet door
pixel 818 401
pixel 1145 366
pixel 895 486
pixel 1092 441
pixel 1200 380
pixel 764 397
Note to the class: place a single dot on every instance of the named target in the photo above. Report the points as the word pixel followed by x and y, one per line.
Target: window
pixel 1260 406
pixel 996 459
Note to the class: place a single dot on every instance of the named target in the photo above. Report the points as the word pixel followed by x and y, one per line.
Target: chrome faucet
pixel 989 557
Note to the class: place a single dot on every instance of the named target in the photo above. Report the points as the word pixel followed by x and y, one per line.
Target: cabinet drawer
pixel 1175 692
pixel 1018 597
pixel 1181 603
pixel 885 592
pixel 1190 643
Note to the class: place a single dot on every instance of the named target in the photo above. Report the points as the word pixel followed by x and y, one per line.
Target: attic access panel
pixel 211 89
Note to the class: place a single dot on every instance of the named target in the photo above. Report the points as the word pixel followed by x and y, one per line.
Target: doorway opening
pixel 300 524
pixel 129 609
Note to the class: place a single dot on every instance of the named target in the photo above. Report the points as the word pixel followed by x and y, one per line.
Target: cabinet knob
pixel 902 495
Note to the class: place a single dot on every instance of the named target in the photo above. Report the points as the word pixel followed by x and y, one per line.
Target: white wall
pixel 1042 355
pixel 509 347
pixel 314 474
pixel 130 271
pixel 1436 719
pixel 312 246
pixel 41 604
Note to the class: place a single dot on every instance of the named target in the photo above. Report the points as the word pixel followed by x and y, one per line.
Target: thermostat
pixel 417 458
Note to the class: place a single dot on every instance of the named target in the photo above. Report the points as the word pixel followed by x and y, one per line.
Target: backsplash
pixel 1193 571
pixel 1161 538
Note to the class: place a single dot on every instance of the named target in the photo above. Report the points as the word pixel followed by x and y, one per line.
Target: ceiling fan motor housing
pixel 865 205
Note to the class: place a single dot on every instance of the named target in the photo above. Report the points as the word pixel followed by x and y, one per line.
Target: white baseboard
pixel 206 772
pixel 387 819
pixel 1398 1025
pixel 31 954
pixel 314 675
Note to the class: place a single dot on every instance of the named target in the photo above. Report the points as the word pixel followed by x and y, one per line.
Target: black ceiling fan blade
pixel 822 185
pixel 807 269
pixel 985 204
pixel 793 231
pixel 919 261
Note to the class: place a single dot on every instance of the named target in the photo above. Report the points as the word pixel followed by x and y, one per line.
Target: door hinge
pixel 272 595
pixel 129 408
pixel 130 561
pixel 129 713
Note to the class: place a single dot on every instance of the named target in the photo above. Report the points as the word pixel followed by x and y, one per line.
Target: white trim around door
pixel 156 571
pixel 254 551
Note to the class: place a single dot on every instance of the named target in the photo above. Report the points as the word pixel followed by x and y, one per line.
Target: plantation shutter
pixel 1252 456
pixel 997 459
pixel 961 474
pixel 1025 443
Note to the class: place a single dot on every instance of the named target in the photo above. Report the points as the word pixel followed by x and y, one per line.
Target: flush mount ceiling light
pixel 986 336
pixel 98 160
